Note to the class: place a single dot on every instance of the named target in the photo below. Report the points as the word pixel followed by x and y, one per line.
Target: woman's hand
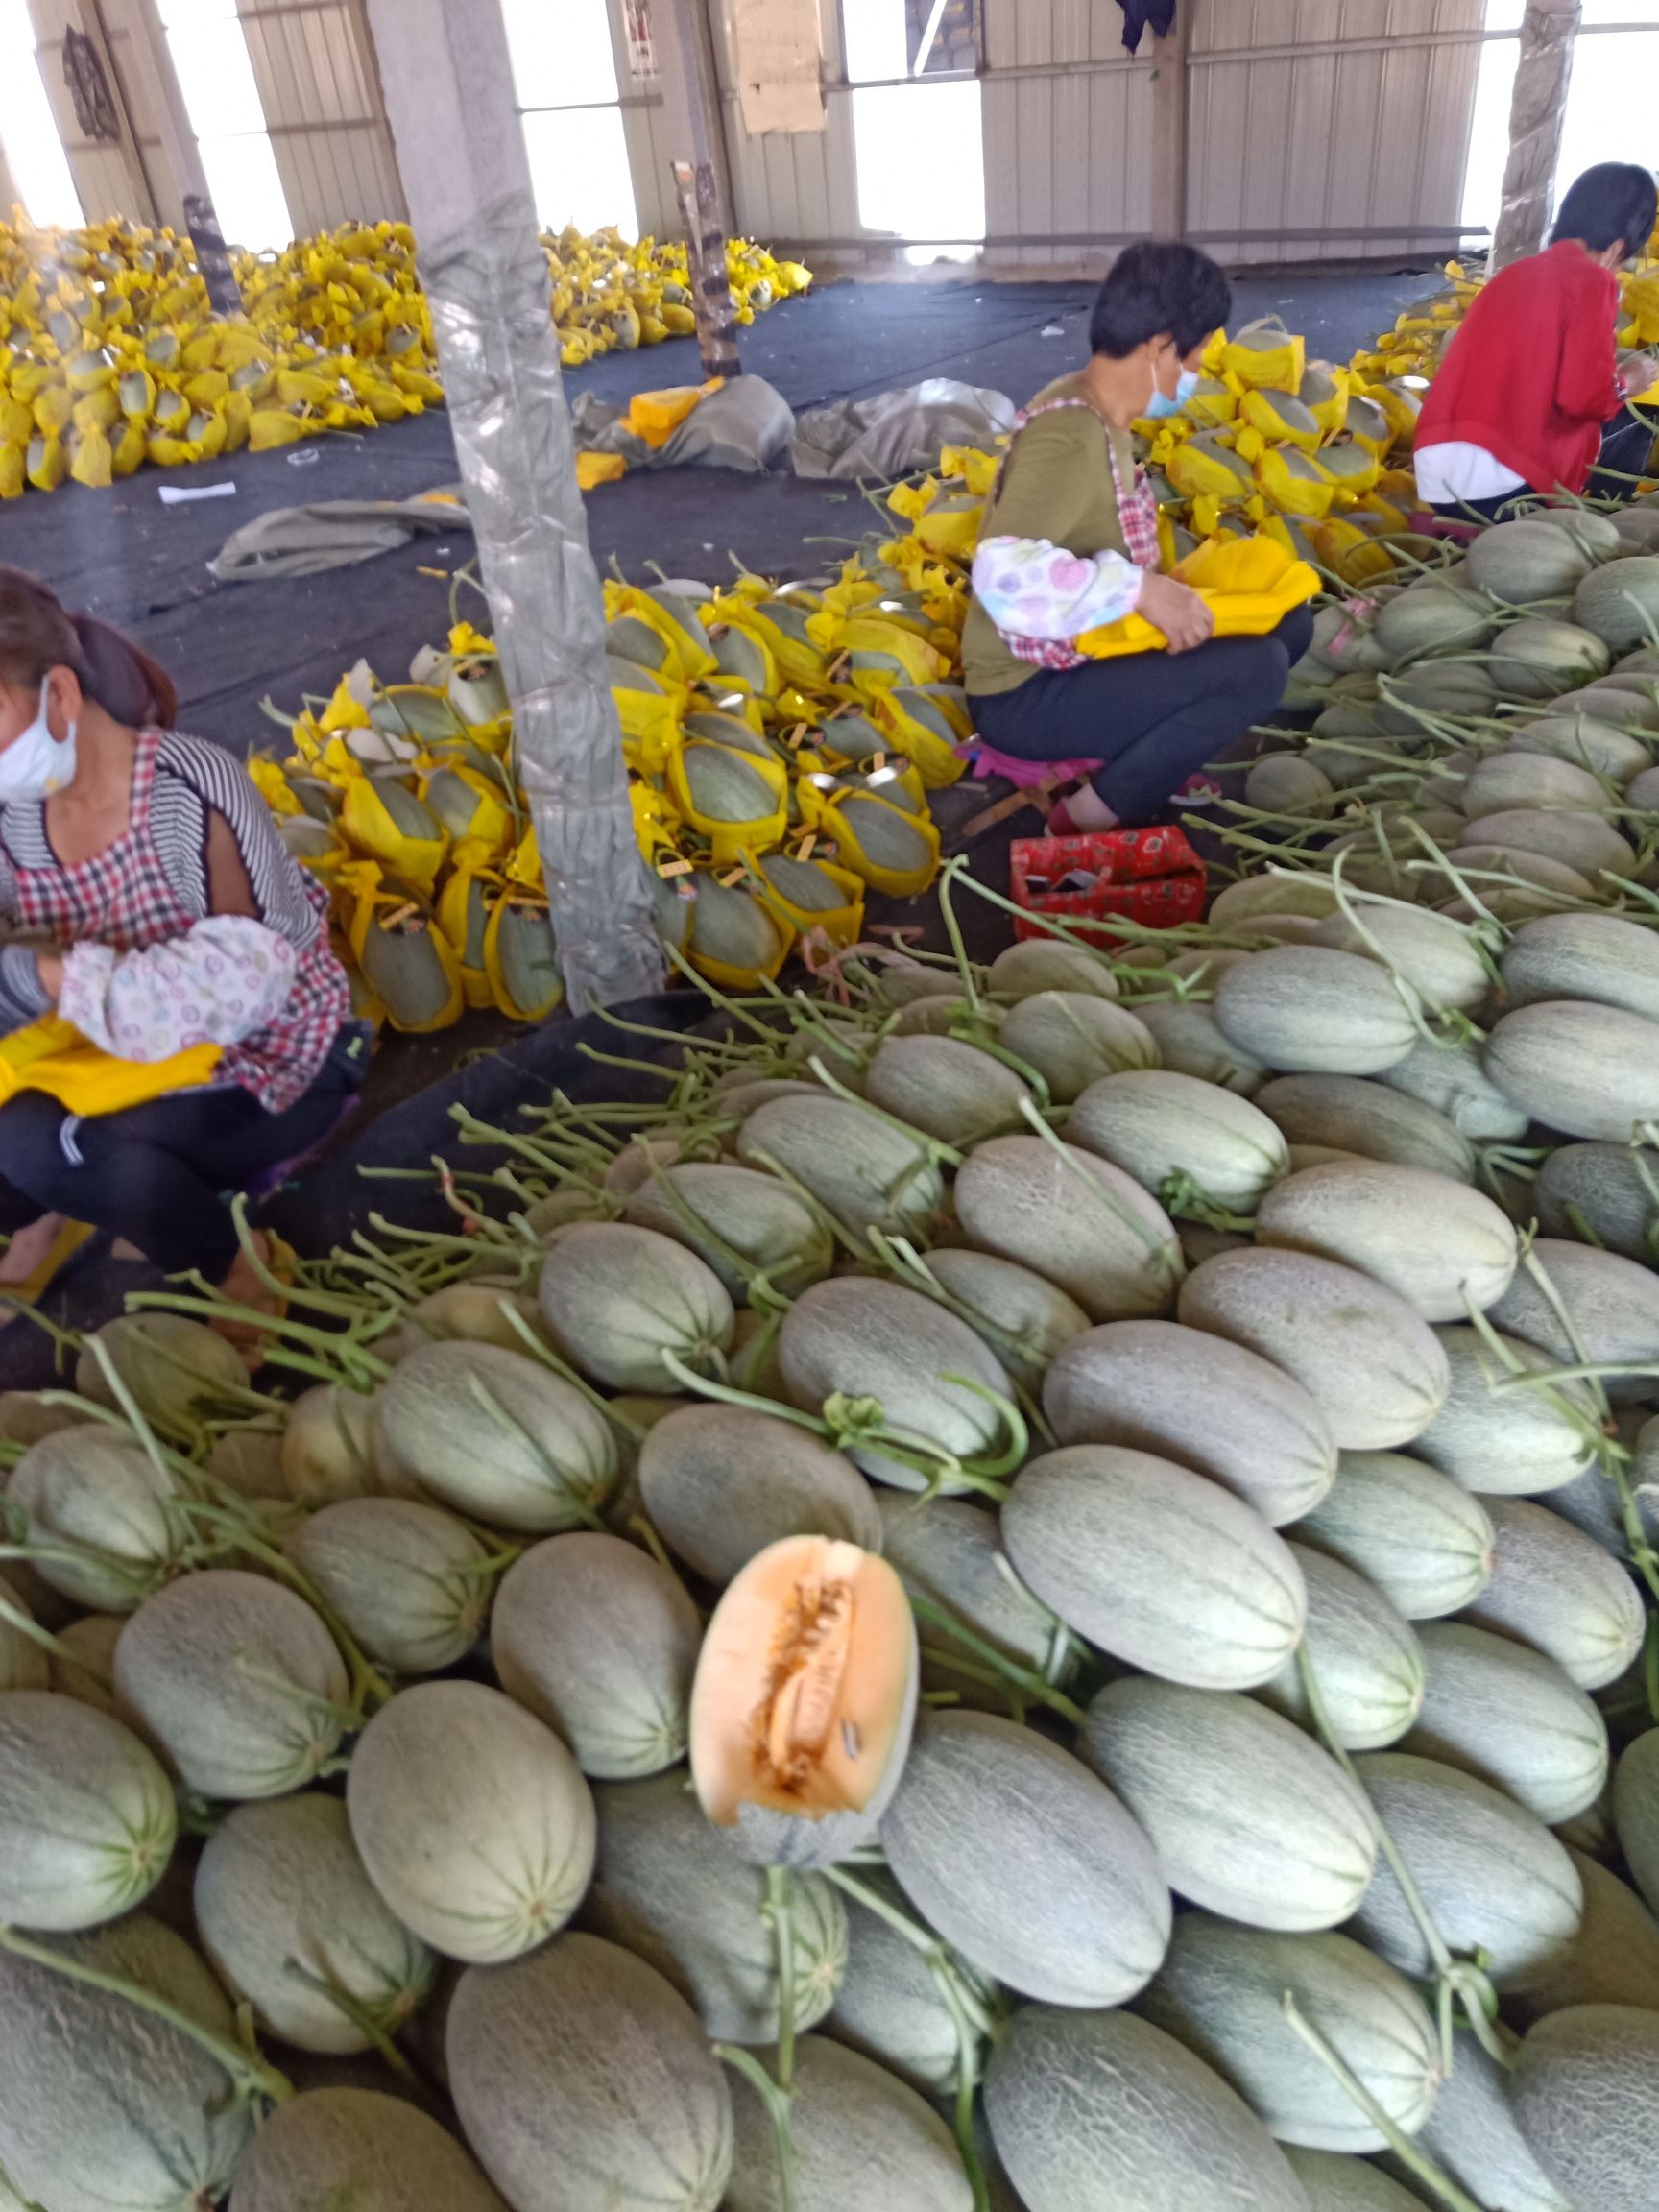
pixel 49 966
pixel 1176 609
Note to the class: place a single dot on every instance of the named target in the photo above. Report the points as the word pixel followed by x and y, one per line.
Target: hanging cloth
pixel 1139 13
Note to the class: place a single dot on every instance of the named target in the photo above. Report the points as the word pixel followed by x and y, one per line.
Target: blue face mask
pixel 1160 404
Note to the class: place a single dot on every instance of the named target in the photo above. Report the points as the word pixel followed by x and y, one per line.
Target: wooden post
pixel 1549 30
pixel 184 158
pixel 697 185
pixel 1170 104
pixel 455 124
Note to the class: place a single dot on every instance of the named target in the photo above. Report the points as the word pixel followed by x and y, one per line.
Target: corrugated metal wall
pixel 1340 115
pixel 791 187
pixel 320 87
pixel 130 179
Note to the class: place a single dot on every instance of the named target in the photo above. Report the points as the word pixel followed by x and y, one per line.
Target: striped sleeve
pixel 195 779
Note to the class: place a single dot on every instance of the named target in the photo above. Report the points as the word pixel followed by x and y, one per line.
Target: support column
pixel 184 158
pixel 449 99
pixel 1170 113
pixel 686 110
pixel 1549 30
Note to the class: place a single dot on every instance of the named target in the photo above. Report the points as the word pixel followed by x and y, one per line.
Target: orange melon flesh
pixel 804 1683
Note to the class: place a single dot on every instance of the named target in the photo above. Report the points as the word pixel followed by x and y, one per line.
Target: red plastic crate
pixel 1152 877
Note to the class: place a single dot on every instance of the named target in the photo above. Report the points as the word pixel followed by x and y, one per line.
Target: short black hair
pixel 1615 204
pixel 1159 286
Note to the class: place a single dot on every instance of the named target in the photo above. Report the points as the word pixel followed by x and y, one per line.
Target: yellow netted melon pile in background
pixel 110 357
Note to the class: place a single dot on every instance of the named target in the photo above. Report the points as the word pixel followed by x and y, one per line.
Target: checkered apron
pixel 1137 517
pixel 121 897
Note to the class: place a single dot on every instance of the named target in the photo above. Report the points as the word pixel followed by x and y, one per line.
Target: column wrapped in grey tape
pixel 492 317
pixel 1549 30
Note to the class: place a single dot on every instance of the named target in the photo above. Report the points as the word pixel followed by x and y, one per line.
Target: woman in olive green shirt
pixel 1070 543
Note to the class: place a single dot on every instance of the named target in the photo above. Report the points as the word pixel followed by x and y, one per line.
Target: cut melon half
pixel 804 1701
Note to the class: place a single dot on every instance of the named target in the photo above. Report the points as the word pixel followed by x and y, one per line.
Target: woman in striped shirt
pixel 146 899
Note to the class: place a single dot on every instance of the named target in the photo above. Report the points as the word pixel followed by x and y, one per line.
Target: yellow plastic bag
pixel 407 965
pixel 1265 354
pixel 923 731
pixel 836 926
pixel 596 468
pixel 1296 483
pixel 654 416
pixel 687 650
pixel 52 1055
pixel 464 917
pixel 520 959
pixel 1248 584
pixel 387 821
pixel 729 840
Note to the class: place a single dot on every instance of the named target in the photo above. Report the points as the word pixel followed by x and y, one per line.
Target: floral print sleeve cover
pixel 222 981
pixel 1031 588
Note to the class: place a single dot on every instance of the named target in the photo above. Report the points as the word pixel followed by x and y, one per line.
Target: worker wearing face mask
pixel 1531 395
pixel 1069 542
pixel 173 1020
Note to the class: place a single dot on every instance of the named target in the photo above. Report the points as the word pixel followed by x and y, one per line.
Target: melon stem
pixel 776 2104
pixel 1031 1685
pixel 933 1948
pixel 1417 2161
pixel 251 2076
pixel 779 1912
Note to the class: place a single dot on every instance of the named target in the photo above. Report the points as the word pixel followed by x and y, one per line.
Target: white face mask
pixel 36 763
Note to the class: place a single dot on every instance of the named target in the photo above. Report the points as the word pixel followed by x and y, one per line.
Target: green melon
pixel 1601 1194
pixel 669 1887
pixel 1024 1318
pixel 951 1090
pixel 1289 786
pixel 1636 1813
pixel 615 1299
pixel 1584 843
pixel 1196 1399
pixel 1451 1079
pixel 939 1015
pixel 236 1681
pixel 472 1819
pixel 739 1222
pixel 1335 2181
pixel 600 1641
pixel 1588 741
pixel 1442 1246
pixel 1158 1566
pixel 178 1370
pixel 1615 1959
pixel 1537 780
pixel 1596 956
pixel 856 1338
pixel 890 2003
pixel 410 1582
pixel 1588 1070
pixel 585 2084
pixel 951 1553
pixel 1101 2112
pixel 1307 1009
pixel 282 1904
pixel 1492 1876
pixel 1556 1590
pixel 1505 1441
pixel 722 1483
pixel 1348 1114
pixel 1518 563
pixel 495 1435
pixel 1367 1660
pixel 1025 1862
pixel 1189 1042
pixel 1438 958
pixel 24 1664
pixel 861 2137
pixel 1221 1992
pixel 1420 1537
pixel 86 1814
pixel 1593 1503
pixel 1249 1817
pixel 1620 603
pixel 104 1518
pixel 1540 658
pixel 1472 2136
pixel 1431 616
pixel 868 1174
pixel 1369 1362
pixel 1020 971
pixel 361 2151
pixel 1612 1306
pixel 83 1664
pixel 1510 1715
pixel 1167 1129
pixel 1585 2095
pixel 249 1461
pixel 1072 1038
pixel 107 2105
pixel 1074 1218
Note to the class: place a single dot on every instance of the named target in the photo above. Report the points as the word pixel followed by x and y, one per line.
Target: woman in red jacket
pixel 1532 384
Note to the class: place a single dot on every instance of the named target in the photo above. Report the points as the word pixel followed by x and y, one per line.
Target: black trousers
pixel 1153 718
pixel 1627 449
pixel 160 1174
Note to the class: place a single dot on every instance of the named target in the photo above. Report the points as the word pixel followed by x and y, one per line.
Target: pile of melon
pixel 1033 1592
pixel 1484 736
